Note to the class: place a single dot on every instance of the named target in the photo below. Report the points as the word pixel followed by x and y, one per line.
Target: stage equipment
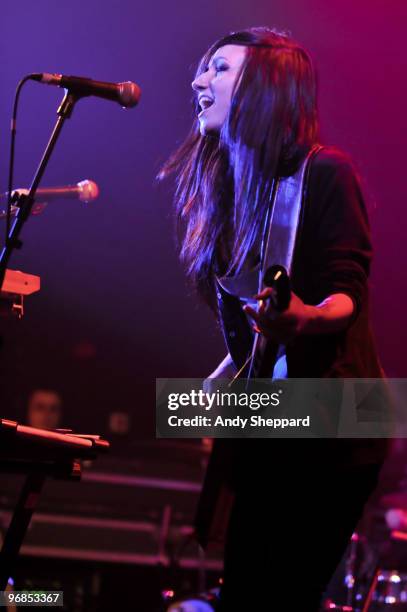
pixel 38 454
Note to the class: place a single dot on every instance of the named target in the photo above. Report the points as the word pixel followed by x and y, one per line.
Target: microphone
pixel 126 94
pixel 85 191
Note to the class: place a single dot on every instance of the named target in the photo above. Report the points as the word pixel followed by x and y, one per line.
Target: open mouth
pixel 205 102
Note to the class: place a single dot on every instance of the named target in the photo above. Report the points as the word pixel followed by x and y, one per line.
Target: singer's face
pixel 214 87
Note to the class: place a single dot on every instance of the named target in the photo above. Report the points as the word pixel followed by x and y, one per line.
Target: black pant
pixel 288 532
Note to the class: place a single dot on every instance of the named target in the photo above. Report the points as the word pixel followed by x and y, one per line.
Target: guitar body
pixel 254 360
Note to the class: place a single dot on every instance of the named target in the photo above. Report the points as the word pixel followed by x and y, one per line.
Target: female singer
pixel 296 502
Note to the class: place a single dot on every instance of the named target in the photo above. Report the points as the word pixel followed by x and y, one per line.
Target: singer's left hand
pixel 282 327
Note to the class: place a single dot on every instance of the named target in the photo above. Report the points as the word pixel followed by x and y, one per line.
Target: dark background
pixel 114 311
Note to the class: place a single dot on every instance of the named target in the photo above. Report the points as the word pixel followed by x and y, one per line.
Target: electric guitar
pixel 263 352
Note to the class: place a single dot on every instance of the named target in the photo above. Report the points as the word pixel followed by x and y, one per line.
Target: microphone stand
pixel 26 202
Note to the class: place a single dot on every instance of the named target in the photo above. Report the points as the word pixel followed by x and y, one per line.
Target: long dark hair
pixel 224 183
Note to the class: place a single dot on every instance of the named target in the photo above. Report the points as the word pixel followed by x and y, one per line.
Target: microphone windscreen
pixel 88 191
pixel 129 94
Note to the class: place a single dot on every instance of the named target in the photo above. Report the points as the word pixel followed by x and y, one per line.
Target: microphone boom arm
pixel 25 202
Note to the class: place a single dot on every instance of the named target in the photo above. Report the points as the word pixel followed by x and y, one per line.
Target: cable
pixel 13 132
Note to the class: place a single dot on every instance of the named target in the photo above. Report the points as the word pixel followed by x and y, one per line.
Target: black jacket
pixel 333 253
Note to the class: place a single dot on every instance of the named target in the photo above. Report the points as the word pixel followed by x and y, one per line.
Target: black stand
pixel 47 465
pixel 38 454
pixel 19 525
pixel 25 202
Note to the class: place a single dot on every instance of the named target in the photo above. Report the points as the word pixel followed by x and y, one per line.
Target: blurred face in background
pixel 44 409
pixel 214 87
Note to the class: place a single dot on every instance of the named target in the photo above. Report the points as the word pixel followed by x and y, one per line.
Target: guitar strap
pixel 285 218
pixel 280 238
pixel 282 230
pixel 282 233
